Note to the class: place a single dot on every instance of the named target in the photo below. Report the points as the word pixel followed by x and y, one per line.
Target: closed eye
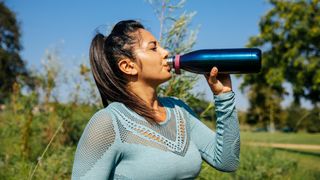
pixel 153 45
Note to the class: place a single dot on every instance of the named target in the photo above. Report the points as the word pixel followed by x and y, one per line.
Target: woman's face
pixel 152 65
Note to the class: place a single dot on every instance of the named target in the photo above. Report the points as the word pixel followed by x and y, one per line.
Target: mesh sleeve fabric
pixel 97 151
pixel 221 148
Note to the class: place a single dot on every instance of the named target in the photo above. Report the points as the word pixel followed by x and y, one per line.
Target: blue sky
pixel 72 23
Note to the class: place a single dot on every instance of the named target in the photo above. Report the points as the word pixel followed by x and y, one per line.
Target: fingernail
pixel 215 69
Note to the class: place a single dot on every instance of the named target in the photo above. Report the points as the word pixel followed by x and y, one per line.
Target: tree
pixel 290 40
pixel 12 67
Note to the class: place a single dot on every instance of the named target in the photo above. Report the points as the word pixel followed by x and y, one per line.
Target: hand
pixel 219 83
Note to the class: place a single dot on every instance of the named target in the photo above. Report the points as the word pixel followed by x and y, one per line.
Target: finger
pixel 213 75
pixel 214 72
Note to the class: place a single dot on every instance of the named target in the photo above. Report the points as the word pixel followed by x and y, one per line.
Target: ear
pixel 127 66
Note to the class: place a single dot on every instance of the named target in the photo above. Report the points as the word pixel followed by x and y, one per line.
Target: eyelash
pixel 154 49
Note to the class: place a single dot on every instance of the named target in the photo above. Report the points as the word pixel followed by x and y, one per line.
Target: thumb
pixel 212 76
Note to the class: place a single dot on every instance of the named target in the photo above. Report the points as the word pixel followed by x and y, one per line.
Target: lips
pixel 168 68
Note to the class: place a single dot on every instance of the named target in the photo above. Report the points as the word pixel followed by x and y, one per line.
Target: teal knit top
pixel 117 143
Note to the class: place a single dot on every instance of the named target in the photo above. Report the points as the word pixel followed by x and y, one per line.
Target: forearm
pixel 227 147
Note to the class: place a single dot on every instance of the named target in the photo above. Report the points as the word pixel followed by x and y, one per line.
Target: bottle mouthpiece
pixel 170 62
pixel 174 63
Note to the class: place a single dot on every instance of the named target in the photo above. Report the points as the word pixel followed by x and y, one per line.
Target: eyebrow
pixel 153 42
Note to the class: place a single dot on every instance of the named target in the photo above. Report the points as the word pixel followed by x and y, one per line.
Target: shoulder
pixel 98 137
pixel 106 113
pixel 100 116
pixel 173 100
pixel 101 130
pixel 177 102
pixel 103 119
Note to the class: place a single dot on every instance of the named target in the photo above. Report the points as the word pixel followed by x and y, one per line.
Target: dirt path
pixel 288 146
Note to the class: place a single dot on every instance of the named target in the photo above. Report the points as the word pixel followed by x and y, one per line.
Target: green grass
pixel 268 163
pixel 277 137
pixel 272 163
pixel 306 160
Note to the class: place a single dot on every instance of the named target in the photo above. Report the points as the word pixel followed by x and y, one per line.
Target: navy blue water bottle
pixel 231 61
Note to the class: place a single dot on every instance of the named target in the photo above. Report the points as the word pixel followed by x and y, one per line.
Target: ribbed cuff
pixel 224 96
pixel 225 102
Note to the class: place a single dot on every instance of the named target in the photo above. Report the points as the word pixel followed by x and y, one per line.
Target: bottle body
pixel 231 61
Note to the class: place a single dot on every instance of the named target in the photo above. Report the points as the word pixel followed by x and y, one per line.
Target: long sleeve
pixel 98 150
pixel 221 148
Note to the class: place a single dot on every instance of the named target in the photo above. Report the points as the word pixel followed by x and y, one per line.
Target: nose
pixel 165 53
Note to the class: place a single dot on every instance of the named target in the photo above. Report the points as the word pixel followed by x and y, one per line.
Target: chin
pixel 169 77
pixel 165 79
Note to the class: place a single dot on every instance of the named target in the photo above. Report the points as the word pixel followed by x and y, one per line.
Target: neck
pixel 146 93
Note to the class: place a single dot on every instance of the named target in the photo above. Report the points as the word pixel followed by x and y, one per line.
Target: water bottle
pixel 231 61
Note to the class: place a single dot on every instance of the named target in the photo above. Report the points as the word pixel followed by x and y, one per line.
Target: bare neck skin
pixel 149 95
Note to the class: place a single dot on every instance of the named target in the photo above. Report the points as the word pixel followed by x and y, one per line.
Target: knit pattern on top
pixel 171 136
pixel 117 143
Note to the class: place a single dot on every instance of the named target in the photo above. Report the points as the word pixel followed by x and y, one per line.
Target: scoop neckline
pixel 163 103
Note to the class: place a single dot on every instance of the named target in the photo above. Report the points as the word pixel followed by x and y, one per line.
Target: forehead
pixel 146 37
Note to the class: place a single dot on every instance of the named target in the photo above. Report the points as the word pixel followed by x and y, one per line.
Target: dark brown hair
pixel 105 53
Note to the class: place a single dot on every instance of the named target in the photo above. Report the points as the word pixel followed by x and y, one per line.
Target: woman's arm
pixel 98 150
pixel 221 148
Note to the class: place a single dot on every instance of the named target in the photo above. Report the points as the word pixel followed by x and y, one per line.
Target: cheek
pixel 150 62
pixel 153 63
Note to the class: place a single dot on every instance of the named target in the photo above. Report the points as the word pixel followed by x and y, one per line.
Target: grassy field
pixel 272 163
pixel 277 137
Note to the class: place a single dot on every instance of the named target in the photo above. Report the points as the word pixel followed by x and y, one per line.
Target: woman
pixel 139 135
